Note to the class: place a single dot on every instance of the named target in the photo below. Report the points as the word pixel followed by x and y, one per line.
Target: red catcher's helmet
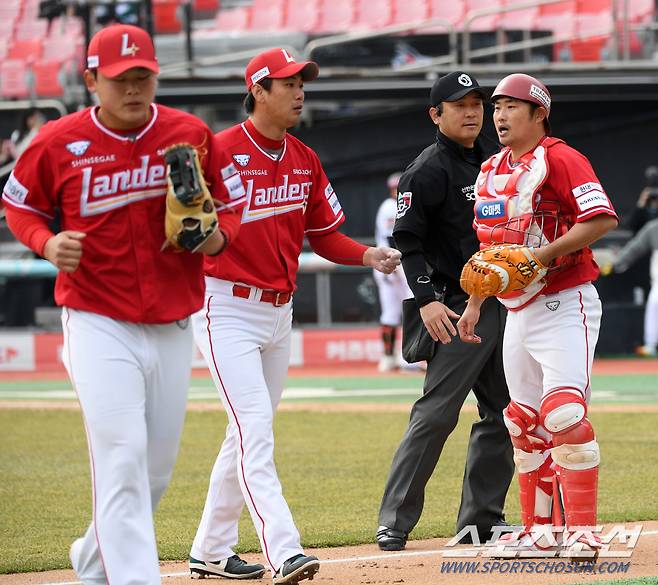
pixel 526 88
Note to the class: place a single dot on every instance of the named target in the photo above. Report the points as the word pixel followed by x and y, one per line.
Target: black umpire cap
pixel 453 87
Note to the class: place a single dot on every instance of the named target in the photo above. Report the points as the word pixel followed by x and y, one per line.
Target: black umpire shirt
pixel 434 223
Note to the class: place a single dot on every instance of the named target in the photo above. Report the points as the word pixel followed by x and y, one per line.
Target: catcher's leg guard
pixel 563 413
pixel 533 462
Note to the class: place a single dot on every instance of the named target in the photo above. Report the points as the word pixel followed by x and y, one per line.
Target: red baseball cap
pixel 119 47
pixel 278 64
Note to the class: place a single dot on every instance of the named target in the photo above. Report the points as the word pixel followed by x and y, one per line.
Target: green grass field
pixel 332 465
pixel 609 389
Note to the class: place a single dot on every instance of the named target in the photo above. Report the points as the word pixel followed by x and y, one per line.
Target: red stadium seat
pixel 206 6
pixel 410 11
pixel 453 12
pixel 374 14
pixel 61 47
pixel 66 28
pixel 9 13
pixel 566 8
pixel 6 28
pixel 559 18
pixel 233 19
pixel 336 16
pixel 26 50
pixel 27 30
pixel 302 15
pixel 46 78
pixel 165 17
pixel 13 79
pixel 593 6
pixel 638 10
pixel 483 23
pixel 266 15
pixel 594 31
pixel 524 19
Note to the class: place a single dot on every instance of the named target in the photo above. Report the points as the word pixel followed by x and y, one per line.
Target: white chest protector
pixel 506 208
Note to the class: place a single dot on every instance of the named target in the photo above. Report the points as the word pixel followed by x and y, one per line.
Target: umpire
pixel 434 232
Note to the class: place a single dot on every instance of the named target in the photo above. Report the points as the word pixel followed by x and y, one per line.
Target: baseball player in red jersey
pixel 127 341
pixel 244 329
pixel 542 193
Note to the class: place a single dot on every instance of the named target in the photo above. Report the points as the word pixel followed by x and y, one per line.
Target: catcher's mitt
pixel 501 269
pixel 190 216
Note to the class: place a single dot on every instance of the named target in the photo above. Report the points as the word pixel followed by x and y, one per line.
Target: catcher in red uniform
pixel 538 206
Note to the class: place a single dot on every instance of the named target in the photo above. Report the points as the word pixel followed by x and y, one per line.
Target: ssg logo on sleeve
pixel 404 204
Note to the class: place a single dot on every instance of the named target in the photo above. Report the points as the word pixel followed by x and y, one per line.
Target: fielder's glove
pixel 190 215
pixel 500 269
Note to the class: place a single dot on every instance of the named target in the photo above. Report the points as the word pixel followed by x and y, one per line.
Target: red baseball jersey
pixel 573 184
pixel 111 186
pixel 288 195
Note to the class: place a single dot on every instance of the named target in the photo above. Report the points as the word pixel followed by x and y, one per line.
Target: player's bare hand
pixel 467 322
pixel 64 250
pixel 436 317
pixel 382 258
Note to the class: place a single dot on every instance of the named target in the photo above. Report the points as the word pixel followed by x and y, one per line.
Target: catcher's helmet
pixel 526 88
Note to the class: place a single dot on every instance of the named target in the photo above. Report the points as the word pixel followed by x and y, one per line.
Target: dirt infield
pixel 422 563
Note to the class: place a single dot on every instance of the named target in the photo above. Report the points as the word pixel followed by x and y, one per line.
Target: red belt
pixel 266 296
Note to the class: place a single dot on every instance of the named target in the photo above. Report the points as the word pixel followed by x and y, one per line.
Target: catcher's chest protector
pixel 505 208
pixel 505 203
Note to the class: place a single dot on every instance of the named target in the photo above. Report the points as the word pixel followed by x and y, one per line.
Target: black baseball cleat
pixel 231 568
pixel 296 569
pixel 391 539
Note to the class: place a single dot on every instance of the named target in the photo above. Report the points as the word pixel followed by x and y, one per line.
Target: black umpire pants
pixel 457 368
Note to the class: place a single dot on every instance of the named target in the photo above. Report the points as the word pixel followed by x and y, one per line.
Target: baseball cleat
pixel 296 569
pixel 231 568
pixel 391 539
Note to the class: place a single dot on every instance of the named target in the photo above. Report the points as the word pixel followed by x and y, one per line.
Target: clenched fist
pixel 64 250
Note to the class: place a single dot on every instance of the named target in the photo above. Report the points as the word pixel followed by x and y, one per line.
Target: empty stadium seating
pixel 47 81
pixel 409 11
pixel 233 19
pixel 373 14
pixel 29 50
pixel 165 16
pixel 302 15
pixel 267 15
pixel 13 79
pixel 29 46
pixel 336 16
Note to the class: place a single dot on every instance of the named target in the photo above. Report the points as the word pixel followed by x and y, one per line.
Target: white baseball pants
pixel 651 317
pixel 246 344
pixel 132 382
pixel 393 289
pixel 550 343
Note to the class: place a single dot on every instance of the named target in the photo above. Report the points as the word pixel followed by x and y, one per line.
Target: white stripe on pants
pixel 246 344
